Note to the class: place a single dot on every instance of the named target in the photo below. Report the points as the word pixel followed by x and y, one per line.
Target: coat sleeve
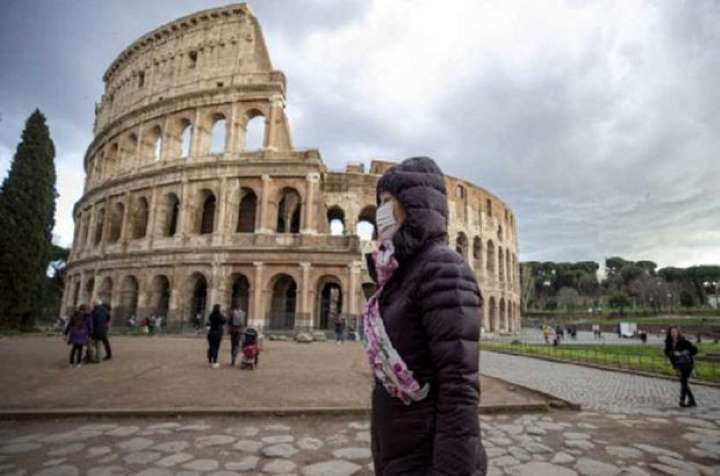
pixel 450 304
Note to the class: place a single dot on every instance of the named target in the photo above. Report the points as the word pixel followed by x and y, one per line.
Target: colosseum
pixel 195 195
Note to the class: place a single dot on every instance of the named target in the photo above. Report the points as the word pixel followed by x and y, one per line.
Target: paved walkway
pixel 555 444
pixel 595 388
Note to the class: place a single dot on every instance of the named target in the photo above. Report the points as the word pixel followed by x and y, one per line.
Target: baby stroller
pixel 250 349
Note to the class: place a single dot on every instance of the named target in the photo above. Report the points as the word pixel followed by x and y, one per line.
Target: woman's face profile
pixel 674 332
pixel 398 211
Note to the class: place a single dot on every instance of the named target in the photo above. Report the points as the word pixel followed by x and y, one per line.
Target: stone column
pixel 184 199
pixel 165 150
pixel 138 150
pixel 220 229
pixel 124 220
pixel 153 211
pixel 264 199
pixel 270 140
pixel 305 315
pixel 309 225
pixel 143 297
pixel 196 133
pixel 106 225
pixel 216 286
pixel 355 268
pixel 232 127
pixel 256 318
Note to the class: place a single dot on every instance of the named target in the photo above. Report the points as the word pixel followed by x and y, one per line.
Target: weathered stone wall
pixel 169 225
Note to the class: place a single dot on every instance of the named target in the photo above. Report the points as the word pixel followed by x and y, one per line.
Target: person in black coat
pixel 681 353
pixel 431 309
pixel 216 321
pixel 101 322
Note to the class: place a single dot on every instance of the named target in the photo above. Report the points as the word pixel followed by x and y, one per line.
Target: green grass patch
pixel 646 358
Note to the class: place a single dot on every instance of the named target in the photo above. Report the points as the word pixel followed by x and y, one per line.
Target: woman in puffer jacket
pixel 422 328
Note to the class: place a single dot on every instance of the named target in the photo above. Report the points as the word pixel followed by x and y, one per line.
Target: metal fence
pixel 704 369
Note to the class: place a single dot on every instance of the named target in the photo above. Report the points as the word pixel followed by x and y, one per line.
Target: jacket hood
pixel 419 185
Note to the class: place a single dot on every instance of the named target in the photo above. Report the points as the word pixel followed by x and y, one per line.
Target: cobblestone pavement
pixel 595 388
pixel 556 444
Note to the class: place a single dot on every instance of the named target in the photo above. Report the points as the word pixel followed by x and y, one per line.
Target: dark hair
pixel 668 336
pixel 216 308
pixel 78 318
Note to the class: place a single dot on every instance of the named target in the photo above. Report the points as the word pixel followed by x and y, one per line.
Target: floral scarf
pixel 386 364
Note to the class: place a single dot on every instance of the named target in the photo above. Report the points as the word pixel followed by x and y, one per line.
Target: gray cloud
pixel 595 121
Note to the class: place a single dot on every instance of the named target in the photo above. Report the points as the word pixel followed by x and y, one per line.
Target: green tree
pixel 619 301
pixel 27 208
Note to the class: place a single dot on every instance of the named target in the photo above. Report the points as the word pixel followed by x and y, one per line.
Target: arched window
pixel 500 233
pixel 460 192
pixel 157 149
pixel 461 245
pixel 140 218
pixel 198 298
pixel 255 132
pixel 99 226
pixel 128 152
pixel 490 261
pixel 240 298
pixel 84 225
pixel 185 139
pixel 111 162
pixel 288 220
pixel 246 212
pixel 217 144
pixel 172 214
pixel 477 252
pixel 282 304
pixel 128 297
pixel 366 224
pixel 336 221
pixel 501 264
pixel 116 220
pixel 160 295
pixel 488 207
pixel 207 218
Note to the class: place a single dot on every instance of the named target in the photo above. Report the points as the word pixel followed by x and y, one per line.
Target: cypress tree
pixel 27 209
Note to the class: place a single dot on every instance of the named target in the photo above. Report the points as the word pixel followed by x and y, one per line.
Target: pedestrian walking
pixel 236 329
pixel 422 327
pixel 216 321
pixel 681 353
pixel 101 324
pixel 339 329
pixel 78 332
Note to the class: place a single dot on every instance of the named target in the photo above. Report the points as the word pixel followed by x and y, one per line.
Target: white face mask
pixel 385 221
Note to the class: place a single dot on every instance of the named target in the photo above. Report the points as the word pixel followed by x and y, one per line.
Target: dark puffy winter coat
pixel 682 345
pixel 431 309
pixel 100 318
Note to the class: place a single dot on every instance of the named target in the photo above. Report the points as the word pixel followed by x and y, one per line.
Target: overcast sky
pixel 597 122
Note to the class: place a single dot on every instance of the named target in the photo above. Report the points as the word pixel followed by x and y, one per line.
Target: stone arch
pixel 289 211
pixel 366 228
pixel 501 265
pixel 99 226
pixel 500 233
pixel 508 268
pixel 76 294
pixel 240 292
pixel 205 223
pixel 254 131
pixel 461 244
pixel 88 291
pixel 336 221
pixel 283 302
pixel 84 228
pixel 106 290
pixel 128 151
pixel 493 317
pixel 97 169
pixel 129 291
pixel 151 145
pixel 116 219
pixel 170 214
pixel 111 162
pixel 503 316
pixel 247 211
pixel 140 217
pixel 178 137
pixel 218 134
pixel 490 261
pixel 160 291
pixel 477 252
pixel 329 301
pixel 198 295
